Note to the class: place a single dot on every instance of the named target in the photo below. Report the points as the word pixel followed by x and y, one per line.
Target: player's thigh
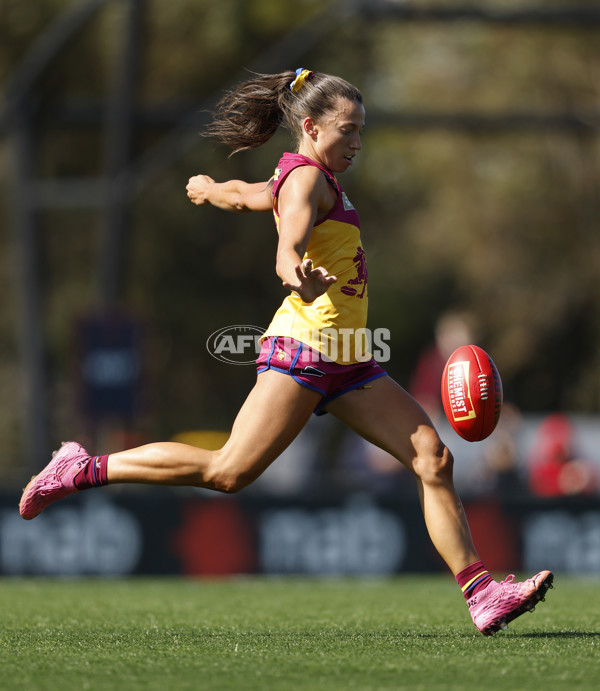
pixel 273 414
pixel 389 417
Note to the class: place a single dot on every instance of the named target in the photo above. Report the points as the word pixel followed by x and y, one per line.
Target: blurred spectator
pixel 555 470
pixel 452 330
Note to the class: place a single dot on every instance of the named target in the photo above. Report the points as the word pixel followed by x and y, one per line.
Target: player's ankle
pixel 473 579
pixel 93 474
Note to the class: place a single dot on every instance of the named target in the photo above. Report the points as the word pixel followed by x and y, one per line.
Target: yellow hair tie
pixel 301 76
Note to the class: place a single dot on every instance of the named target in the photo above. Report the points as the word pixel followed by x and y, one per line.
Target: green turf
pixel 290 634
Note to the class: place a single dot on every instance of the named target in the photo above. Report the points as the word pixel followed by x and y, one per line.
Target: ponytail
pixel 249 115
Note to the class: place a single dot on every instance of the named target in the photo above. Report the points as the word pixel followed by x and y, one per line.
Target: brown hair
pixel 248 116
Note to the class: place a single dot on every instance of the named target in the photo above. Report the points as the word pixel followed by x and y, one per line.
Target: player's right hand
pixel 197 189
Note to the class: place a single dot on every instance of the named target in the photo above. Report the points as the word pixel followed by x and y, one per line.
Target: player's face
pixel 335 138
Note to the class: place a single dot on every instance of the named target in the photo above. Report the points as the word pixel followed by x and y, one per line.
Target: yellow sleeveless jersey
pixel 335 323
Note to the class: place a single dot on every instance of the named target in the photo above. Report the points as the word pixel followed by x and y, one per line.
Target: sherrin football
pixel 471 392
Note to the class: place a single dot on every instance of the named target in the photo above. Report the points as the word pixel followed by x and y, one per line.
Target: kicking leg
pixel 389 417
pixel 386 415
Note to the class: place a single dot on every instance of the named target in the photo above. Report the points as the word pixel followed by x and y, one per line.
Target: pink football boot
pixel 497 605
pixel 55 481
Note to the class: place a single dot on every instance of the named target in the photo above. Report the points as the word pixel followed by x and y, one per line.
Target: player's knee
pixel 227 481
pixel 434 462
pixel 224 476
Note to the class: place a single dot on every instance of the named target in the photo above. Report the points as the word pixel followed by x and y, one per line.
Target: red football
pixel 471 393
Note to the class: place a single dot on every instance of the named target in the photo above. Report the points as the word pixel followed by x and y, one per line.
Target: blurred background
pixel 478 188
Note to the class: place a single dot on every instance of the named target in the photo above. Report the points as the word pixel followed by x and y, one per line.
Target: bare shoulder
pixel 309 183
pixel 309 177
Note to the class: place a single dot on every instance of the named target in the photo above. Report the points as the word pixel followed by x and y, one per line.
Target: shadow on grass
pixel 560 634
pixel 506 635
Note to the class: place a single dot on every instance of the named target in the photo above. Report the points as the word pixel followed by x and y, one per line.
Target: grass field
pixel 290 634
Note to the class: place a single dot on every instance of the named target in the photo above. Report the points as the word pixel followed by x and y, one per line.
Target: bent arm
pixel 233 195
pixel 301 200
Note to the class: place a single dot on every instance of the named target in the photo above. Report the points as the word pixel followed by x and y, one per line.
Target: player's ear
pixel 309 127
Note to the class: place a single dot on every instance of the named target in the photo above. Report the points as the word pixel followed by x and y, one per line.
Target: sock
pixel 93 474
pixel 473 579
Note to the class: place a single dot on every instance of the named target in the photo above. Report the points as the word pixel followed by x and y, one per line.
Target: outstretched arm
pixel 233 195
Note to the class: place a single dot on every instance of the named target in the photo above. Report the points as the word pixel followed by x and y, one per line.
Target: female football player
pixel 313 356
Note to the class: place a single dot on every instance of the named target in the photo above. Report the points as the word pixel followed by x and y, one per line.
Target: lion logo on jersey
pixel 360 261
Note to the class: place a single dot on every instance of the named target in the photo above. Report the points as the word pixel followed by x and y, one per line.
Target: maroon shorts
pixel 307 367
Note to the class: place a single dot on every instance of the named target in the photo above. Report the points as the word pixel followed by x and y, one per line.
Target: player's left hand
pixel 312 282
